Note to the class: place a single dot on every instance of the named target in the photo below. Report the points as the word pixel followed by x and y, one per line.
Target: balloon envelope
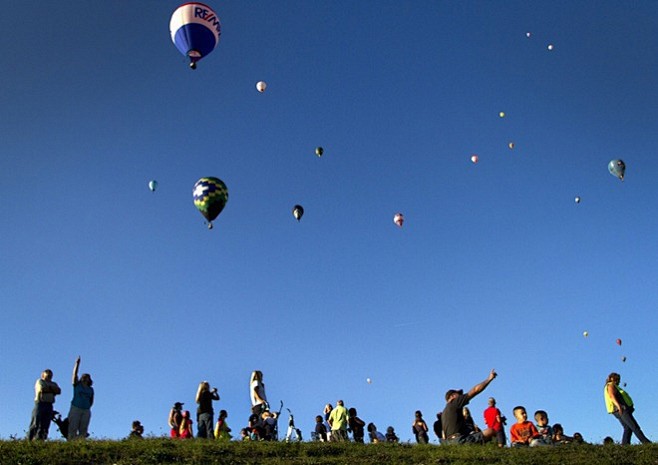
pixel 195 30
pixel 210 197
pixel 261 86
pixel 585 333
pixel 511 145
pixel 617 168
pixel 577 200
pixel 153 185
pixel 398 219
pixel 618 342
pixel 319 151
pixel 474 158
pixel 298 212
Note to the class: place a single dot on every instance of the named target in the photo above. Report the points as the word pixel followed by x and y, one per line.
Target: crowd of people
pixel 453 425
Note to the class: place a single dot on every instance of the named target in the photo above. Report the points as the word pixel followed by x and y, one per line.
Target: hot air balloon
pixel 585 333
pixel 153 185
pixel 577 199
pixel 319 151
pixel 261 86
pixel 210 197
pixel 511 145
pixel 501 114
pixel 398 219
pixel 298 212
pixel 550 47
pixel 619 342
pixel 617 168
pixel 368 380
pixel 474 158
pixel 195 30
pixel 623 358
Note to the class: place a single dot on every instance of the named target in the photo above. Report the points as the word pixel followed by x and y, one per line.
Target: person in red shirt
pixel 495 421
pixel 523 431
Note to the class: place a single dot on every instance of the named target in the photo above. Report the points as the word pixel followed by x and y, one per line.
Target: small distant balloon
pixel 528 34
pixel 319 151
pixel 618 342
pixel 153 185
pixel 617 168
pixel 585 333
pixel 398 219
pixel 474 158
pixel 368 380
pixel 501 114
pixel 623 358
pixel 550 47
pixel 261 86
pixel 577 199
pixel 298 212
pixel 511 145
pixel 624 384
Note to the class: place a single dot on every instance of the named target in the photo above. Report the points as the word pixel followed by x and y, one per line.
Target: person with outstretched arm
pixel 454 425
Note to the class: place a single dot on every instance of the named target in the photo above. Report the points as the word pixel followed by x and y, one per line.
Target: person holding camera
pixel 495 421
pixel 205 412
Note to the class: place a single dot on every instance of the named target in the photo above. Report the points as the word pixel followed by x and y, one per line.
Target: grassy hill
pixel 166 451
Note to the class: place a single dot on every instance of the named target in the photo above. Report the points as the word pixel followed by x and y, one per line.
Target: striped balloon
pixel 195 30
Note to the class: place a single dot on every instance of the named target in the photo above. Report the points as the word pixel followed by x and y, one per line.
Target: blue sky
pixel 496 266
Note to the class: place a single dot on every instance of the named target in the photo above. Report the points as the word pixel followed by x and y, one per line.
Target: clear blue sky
pixel 496 265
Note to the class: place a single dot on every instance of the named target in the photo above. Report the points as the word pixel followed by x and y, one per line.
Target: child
pixel 244 434
pixel 558 435
pixel 375 436
pixel 185 428
pixel 222 431
pixel 390 435
pixel 137 430
pixel 523 431
pixel 544 429
pixel 320 429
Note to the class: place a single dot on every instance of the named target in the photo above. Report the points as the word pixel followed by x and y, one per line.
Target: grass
pixel 202 452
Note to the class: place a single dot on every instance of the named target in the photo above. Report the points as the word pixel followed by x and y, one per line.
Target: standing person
pixel 495 421
pixel 357 426
pixel 620 404
pixel 438 428
pixel 205 412
pixel 327 412
pixel 455 429
pixel 419 428
pixel 83 399
pixel 320 429
pixel 175 417
pixel 45 390
pixel 257 393
pixel 339 420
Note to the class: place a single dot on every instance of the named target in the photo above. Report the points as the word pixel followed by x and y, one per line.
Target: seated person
pixel 558 435
pixel 544 429
pixel 523 431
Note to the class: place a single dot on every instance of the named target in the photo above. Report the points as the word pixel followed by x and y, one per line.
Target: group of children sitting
pixel 525 433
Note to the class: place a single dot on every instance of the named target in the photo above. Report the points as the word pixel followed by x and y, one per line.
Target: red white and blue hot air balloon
pixel 195 30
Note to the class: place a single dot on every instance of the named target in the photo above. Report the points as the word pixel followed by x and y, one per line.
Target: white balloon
pixel 261 86
pixel 550 46
pixel 368 380
pixel 474 158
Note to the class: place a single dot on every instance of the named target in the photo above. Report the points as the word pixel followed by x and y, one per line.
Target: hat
pixel 178 404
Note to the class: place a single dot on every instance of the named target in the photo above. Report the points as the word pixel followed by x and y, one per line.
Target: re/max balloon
pixel 195 30
pixel 298 212
pixel 617 168
pixel 210 197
